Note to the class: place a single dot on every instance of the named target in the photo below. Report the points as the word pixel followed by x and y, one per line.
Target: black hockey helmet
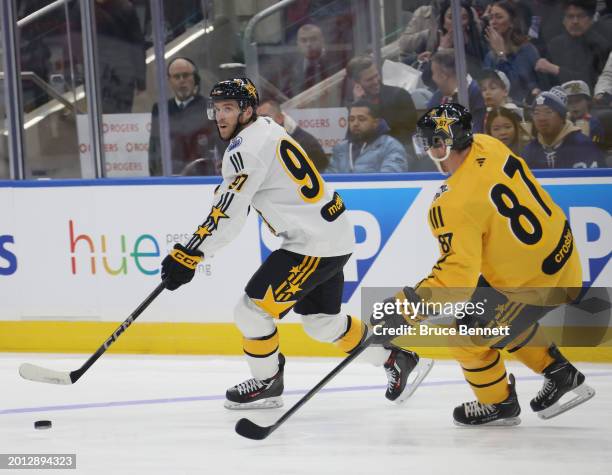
pixel 450 124
pixel 240 89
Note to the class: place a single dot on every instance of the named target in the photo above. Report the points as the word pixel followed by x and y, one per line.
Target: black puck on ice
pixel 42 425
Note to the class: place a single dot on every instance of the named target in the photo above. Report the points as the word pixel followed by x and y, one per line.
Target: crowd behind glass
pixel 539 79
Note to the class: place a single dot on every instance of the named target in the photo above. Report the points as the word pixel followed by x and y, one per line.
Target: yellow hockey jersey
pixel 492 218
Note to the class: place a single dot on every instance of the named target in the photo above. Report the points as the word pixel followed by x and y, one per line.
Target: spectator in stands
pixel 495 88
pixel 546 23
pixel 578 106
pixel 603 25
pixel 395 104
pixel 603 88
pixel 310 144
pixel 558 143
pixel 192 135
pixel 511 52
pixel 474 48
pixel 445 78
pixel 313 63
pixel 578 53
pixel 368 148
pixel 504 124
pixel 421 34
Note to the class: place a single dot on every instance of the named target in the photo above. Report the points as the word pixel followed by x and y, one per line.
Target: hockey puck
pixel 42 425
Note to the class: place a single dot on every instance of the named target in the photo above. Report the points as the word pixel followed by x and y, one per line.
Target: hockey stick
pixel 45 375
pixel 250 430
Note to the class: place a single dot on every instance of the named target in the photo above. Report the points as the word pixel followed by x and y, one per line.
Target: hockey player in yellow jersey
pixel 502 236
pixel 266 171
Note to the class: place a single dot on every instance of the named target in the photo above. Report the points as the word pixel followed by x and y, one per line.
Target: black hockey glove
pixel 179 266
pixel 390 320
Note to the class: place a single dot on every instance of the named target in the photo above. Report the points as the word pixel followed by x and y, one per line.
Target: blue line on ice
pixel 218 397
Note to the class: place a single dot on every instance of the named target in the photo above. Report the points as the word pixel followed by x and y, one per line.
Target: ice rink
pixel 165 415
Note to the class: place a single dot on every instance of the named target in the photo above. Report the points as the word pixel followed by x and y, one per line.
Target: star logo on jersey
pixel 443 123
pixel 375 214
pixel 202 232
pixel 269 304
pixel 216 214
pixel 293 288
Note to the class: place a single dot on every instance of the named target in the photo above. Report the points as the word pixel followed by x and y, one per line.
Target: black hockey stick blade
pixel 250 430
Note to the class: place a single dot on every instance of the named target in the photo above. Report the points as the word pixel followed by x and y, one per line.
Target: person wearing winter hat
pixel 558 143
pixel 578 106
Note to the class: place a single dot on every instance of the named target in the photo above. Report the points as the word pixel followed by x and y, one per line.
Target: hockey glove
pixel 392 317
pixel 179 266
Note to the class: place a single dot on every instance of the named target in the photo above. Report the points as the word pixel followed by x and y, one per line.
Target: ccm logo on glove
pixel 188 261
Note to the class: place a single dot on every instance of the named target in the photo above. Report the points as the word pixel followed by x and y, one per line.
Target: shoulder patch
pixel 334 208
pixel 443 189
pixel 235 143
pixel 480 161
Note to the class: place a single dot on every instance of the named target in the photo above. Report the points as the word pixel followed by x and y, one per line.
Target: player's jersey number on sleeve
pixel 301 170
pixel 523 222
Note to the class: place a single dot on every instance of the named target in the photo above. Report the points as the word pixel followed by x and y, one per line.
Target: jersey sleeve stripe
pixel 234 164
pixel 439 209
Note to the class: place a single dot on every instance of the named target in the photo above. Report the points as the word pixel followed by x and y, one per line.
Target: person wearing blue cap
pixel 558 143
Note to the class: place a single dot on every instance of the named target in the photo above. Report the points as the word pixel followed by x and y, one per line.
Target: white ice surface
pixel 164 415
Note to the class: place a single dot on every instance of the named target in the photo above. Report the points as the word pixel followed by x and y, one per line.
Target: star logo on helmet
pixel 443 123
pixel 251 90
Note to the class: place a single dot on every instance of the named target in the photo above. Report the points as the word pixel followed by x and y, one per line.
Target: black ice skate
pixel 400 364
pixel 561 377
pixel 505 413
pixel 258 393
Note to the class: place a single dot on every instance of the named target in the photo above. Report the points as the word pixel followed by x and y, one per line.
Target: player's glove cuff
pixel 186 257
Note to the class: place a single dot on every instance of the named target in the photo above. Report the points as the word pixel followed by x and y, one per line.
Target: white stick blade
pixel 44 375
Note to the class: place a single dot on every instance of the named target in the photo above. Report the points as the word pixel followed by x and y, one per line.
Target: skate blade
pixel 420 371
pixel 582 394
pixel 268 403
pixel 509 421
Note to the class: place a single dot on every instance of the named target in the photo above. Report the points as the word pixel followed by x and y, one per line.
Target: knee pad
pixel 324 327
pixel 251 320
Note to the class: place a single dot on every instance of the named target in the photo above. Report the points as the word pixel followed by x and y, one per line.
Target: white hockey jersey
pixel 264 168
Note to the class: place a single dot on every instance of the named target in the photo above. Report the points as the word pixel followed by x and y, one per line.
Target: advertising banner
pixel 126 145
pixel 90 252
pixel 328 124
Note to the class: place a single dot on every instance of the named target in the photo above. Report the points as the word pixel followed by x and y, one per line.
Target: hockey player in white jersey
pixel 265 170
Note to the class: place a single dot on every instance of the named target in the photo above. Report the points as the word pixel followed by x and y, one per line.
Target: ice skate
pixel 503 413
pixel 258 393
pixel 561 377
pixel 399 366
